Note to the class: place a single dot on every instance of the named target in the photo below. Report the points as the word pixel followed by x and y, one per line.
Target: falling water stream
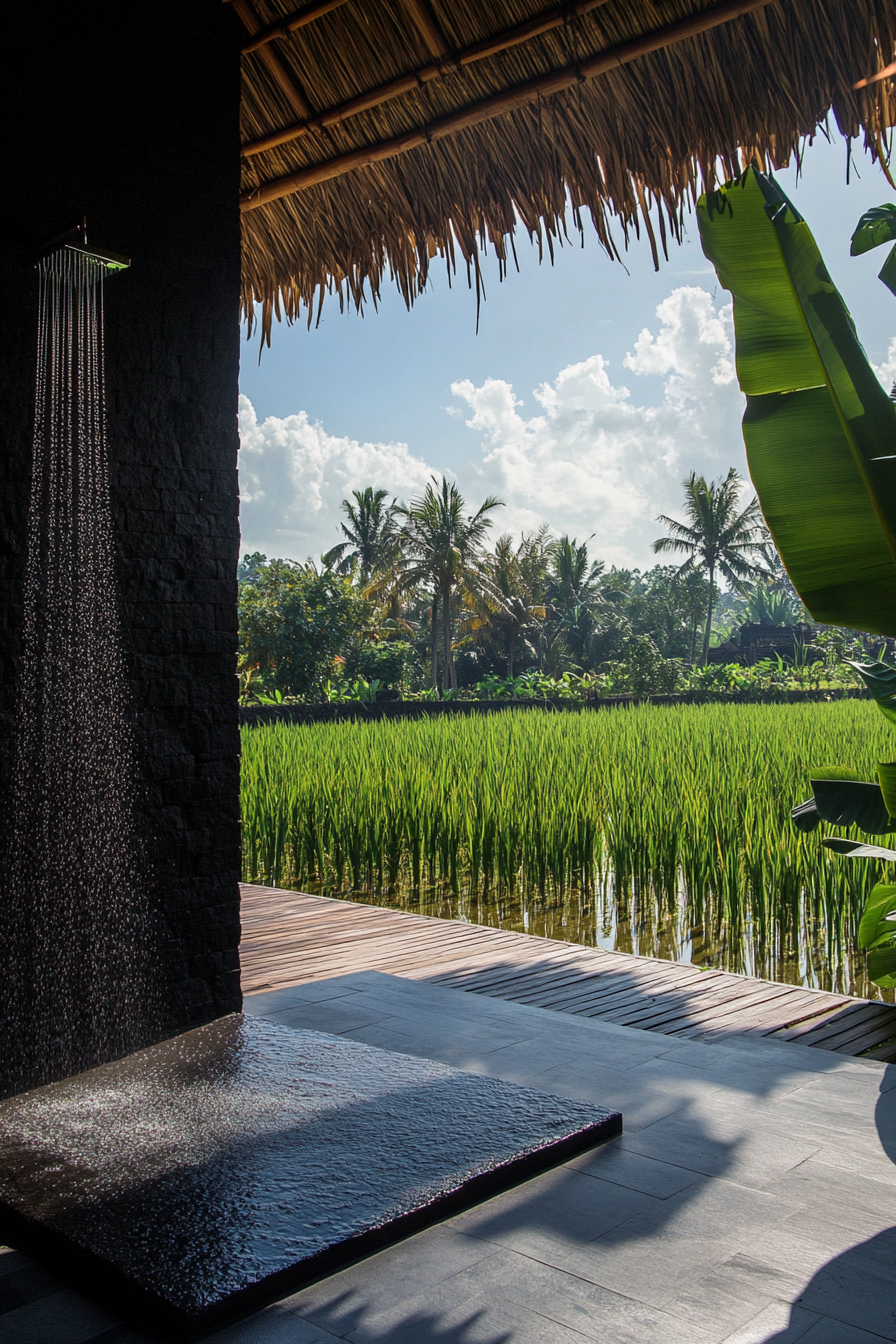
pixel 78 942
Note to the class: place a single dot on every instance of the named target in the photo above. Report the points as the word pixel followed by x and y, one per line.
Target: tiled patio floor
pixel 751 1198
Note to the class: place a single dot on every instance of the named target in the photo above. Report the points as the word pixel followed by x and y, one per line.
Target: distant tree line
pixel 415 598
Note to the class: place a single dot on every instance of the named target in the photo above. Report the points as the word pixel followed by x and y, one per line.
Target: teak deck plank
pixel 292 938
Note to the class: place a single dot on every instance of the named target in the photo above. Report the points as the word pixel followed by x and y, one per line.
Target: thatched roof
pixel 379 134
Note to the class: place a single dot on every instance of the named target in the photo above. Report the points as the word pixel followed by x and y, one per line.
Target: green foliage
pixel 569 814
pixel 877 226
pixel 819 428
pixel 440 548
pixel 370 535
pixel 345 692
pixel 641 669
pixel 387 661
pixel 293 622
pixel 848 802
pixel 877 935
pixel 719 536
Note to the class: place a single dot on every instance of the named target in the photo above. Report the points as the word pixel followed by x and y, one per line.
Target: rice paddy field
pixel 664 831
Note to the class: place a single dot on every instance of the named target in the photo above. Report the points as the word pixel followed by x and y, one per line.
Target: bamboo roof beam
pixel 285 82
pixel 555 17
pixel 424 21
pixel 291 24
pixel 507 101
pixel 888 72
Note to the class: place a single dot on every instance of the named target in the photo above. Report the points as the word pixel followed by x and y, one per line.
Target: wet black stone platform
pixel 205 1174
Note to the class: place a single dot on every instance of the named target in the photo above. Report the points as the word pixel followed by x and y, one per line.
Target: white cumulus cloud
pixel 294 475
pixel 593 456
pixel 886 372
pixel 595 460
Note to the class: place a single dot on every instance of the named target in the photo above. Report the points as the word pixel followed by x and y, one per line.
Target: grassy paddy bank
pixel 664 831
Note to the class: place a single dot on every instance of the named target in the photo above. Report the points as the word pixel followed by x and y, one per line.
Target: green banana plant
pixel 820 435
pixel 842 800
pixel 878 225
pixel 819 429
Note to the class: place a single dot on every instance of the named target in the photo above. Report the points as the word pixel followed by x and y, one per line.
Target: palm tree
pixel 369 536
pixel 717 537
pixel 440 548
pixel 512 608
pixel 573 593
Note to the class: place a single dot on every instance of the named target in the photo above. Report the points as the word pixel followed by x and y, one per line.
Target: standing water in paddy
pixel 77 940
pixel 661 831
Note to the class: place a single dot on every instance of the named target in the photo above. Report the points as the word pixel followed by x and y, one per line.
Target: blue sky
pixel 628 400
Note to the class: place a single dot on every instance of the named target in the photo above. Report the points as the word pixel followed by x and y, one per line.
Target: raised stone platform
pixel 205 1174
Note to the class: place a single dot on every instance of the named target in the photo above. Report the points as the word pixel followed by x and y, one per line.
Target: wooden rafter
pixel 291 24
pixel 555 17
pixel 507 101
pixel 424 21
pixel 285 82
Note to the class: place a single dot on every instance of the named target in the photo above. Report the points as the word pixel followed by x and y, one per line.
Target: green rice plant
pixel 664 830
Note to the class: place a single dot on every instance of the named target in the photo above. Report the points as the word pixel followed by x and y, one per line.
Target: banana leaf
pixel 843 802
pixel 880 678
pixel 805 816
pixel 819 429
pixel 877 225
pixel 882 967
pixel 877 933
pixel 856 849
pixel 878 925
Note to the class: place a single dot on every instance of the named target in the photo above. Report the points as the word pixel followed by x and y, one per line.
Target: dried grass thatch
pixel 351 196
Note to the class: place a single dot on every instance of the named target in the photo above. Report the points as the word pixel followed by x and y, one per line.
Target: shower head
pixel 74 239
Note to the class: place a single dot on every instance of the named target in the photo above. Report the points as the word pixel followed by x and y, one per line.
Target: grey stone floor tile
pixel 848 1289
pixel 335 1017
pixel 758 1082
pixel 573 1302
pixel 274 1000
pixel 558 1210
pixel 648 1269
pixel 640 1107
pixel 387 1037
pixel 398 1273
pixel 720 1144
pixel 828 1331
pixel 60 1318
pixel 612 1163
pixel 778 1321
pixel 441 1320
pixel 809 1107
pixel 434 1017
pixel 821 1186
pixel 714 1208
pixel 273 1326
pixel 700 1056
pixel 869 1154
pixel 807 1057
pixel 775 1276
pixel 718 1300
pixel 837 1226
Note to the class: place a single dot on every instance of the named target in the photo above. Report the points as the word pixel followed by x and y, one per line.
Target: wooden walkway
pixel 291 938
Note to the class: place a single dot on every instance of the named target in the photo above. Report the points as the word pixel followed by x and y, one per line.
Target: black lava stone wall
pixel 128 114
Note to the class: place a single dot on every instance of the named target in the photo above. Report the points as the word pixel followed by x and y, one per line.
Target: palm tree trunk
pixel 710 605
pixel 510 644
pixel 449 679
pixel 433 647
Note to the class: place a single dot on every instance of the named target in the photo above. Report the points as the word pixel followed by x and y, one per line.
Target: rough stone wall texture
pixel 131 117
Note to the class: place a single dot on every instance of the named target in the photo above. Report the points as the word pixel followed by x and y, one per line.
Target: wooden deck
pixel 291 938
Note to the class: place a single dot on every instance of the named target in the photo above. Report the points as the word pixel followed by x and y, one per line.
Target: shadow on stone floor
pixel 861 1281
